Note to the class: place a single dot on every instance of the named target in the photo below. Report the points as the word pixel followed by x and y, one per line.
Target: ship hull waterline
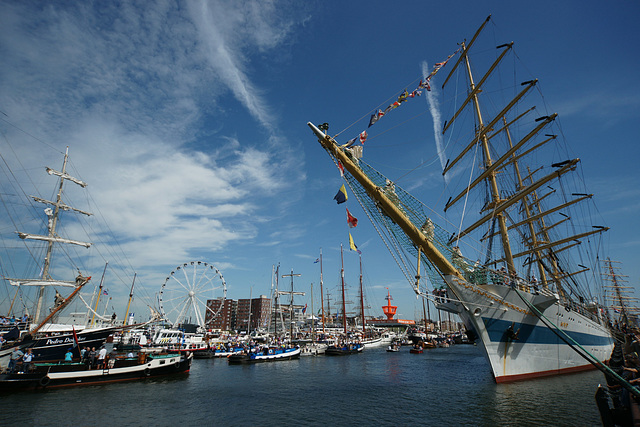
pixel 516 343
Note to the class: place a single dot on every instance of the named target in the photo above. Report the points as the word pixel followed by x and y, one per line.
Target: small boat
pixel 416 350
pixel 373 342
pixel 344 349
pixel 313 349
pixel 271 354
pixel 68 374
pixel 393 348
pixel 206 353
pixel 178 340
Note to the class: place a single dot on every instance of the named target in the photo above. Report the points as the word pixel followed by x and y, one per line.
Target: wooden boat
pixel 69 374
pixel 271 354
pixel 416 350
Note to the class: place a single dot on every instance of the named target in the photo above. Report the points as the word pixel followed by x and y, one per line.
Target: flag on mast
pixel 341 197
pixel 351 220
pixel 352 245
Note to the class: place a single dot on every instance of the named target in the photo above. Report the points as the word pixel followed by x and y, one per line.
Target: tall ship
pixel 39 329
pixel 514 251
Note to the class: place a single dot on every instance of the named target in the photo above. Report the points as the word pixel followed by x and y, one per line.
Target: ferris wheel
pixel 185 292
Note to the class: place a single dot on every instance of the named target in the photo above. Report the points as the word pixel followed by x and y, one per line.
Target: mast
pixel 277 304
pixel 329 306
pixel 52 237
pixel 424 313
pixel 291 306
pixel 385 203
pixel 364 325
pixel 495 192
pixel 619 301
pixel 271 301
pixel 126 315
pixel 313 328
pixel 344 309
pixel 99 293
pixel 321 292
pixel 250 304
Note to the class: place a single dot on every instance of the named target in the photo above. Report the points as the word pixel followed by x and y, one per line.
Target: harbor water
pixel 444 386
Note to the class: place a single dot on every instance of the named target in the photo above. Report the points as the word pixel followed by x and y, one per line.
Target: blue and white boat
pixel 265 354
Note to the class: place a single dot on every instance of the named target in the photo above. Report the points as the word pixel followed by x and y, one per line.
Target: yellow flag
pixel 352 245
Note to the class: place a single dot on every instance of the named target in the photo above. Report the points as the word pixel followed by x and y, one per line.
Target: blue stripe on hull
pixel 532 334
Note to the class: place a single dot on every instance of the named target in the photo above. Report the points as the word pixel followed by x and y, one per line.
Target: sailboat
pixel 344 347
pixel 525 224
pixel 50 341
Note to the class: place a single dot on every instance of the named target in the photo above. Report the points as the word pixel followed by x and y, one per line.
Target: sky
pixel 188 121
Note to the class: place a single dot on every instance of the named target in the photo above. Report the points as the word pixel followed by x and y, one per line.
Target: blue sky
pixel 188 121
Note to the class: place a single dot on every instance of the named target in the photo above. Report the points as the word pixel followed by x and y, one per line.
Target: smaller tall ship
pixel 38 331
pixel 344 346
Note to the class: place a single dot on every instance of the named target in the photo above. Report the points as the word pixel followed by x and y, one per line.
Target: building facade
pixel 238 315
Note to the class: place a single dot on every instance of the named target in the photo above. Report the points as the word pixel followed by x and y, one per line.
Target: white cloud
pixel 133 90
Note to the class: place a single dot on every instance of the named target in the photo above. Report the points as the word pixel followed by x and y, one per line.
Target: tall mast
pixel 291 307
pixel 99 293
pixel 424 313
pixel 344 309
pixel 250 304
pixel 321 291
pixel 493 182
pixel 617 298
pixel 364 325
pixel 313 328
pixel 126 315
pixel 526 207
pixel 277 304
pixel 52 236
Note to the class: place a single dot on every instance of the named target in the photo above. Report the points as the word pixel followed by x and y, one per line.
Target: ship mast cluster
pixel 524 207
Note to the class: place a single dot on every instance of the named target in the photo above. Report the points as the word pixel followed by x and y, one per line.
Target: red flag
pixel 363 136
pixel 341 168
pixel 75 339
pixel 351 220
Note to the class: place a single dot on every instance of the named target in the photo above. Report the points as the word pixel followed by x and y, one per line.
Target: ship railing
pixel 483 276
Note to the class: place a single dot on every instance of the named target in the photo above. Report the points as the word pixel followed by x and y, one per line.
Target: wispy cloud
pixel 135 91
pixel 432 100
pixel 229 33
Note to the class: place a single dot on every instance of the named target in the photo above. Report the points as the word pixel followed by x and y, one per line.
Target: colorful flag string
pixel 404 96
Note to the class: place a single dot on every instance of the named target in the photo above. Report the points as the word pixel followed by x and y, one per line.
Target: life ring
pixel 177 364
pixel 147 372
pixel 44 381
pixel 270 351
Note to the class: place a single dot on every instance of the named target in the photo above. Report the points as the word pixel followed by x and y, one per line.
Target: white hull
pixel 536 351
pixel 375 342
pixel 313 349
